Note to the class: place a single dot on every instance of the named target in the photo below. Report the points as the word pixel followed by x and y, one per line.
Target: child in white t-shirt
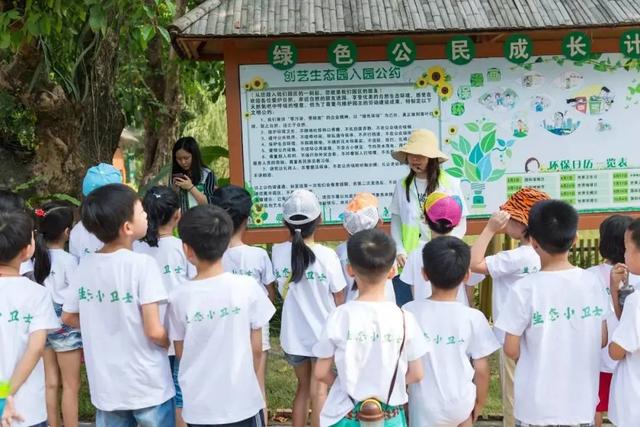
pixel 376 346
pixel 625 341
pixel 456 381
pixel 246 260
pixel 442 214
pixel 311 283
pixel 505 269
pixel 215 321
pixel 81 241
pixel 27 315
pixel 62 356
pixel 10 201
pixel 611 249
pixel 555 326
pixel 114 298
pixel 360 214
pixel 162 207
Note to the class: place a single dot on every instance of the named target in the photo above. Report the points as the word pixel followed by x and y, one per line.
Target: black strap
pixel 395 372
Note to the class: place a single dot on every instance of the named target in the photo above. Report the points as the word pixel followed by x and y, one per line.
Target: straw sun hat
pixel 421 142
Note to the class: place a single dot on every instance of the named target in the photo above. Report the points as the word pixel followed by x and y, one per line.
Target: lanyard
pixel 421 198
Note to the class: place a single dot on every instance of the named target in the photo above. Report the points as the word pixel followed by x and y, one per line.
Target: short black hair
pixel 553 224
pixel 207 230
pixel 612 229
pixel 371 253
pixel 106 209
pixel 446 261
pixel 236 201
pixel 634 230
pixel 16 232
pixel 442 226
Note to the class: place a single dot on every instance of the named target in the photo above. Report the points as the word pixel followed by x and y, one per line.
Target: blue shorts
pixel 163 415
pixel 255 421
pixel 64 339
pixel 295 360
pixel 174 362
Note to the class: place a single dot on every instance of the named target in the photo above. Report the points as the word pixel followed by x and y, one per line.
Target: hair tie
pixel 40 213
pixel 297 230
pixel 156 195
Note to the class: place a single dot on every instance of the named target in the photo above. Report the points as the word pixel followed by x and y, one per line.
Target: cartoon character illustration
pixel 539 103
pixel 531 80
pixel 568 80
pixel 532 165
pixel 602 126
pixel 558 119
pixel 562 124
pixel 499 100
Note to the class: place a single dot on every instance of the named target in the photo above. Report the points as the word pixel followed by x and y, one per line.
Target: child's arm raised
pixel 323 371
pixel 496 223
pixel 153 328
pixel 481 380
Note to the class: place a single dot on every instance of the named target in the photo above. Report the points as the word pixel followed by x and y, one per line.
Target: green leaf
pixel 473 127
pixel 476 154
pixel 465 147
pixel 32 24
pixel 509 152
pixel 471 172
pixel 458 160
pixel 497 174
pixel 223 182
pixel 5 40
pixel 212 153
pixel 97 18
pixel 66 198
pixel 455 172
pixel 489 126
pixel 488 142
pixel 165 34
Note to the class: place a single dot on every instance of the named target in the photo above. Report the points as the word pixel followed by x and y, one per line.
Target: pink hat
pixel 441 206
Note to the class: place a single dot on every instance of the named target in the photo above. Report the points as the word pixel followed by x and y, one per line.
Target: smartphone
pixel 178 175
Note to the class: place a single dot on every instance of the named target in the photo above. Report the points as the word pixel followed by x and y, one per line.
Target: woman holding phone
pixel 194 181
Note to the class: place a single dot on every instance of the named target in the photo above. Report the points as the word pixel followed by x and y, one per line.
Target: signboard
pixel 567 127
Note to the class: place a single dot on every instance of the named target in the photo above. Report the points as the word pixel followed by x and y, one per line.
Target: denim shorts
pixel 294 360
pixel 174 362
pixel 163 415
pixel 521 424
pixel 64 339
pixel 255 421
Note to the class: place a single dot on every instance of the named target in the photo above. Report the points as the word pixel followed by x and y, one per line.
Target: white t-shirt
pixel 25 307
pixel 558 316
pixel 63 265
pixel 351 293
pixel 365 338
pixel 214 317
pixel 249 261
pixel 625 386
pixel 307 303
pixel 26 266
pixel 506 268
pixel 126 370
pixel 83 243
pixel 457 333
pixel 412 275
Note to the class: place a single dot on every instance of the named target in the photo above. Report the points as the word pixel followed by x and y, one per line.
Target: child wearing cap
pixel 456 381
pixel 442 214
pixel 81 241
pixel 360 214
pixel 310 280
pixel 408 225
pixel 506 268
pixel 245 260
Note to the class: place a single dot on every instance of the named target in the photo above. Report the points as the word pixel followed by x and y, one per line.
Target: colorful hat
pixel 441 206
pixel 361 213
pixel 99 176
pixel 421 142
pixel 521 202
pixel 301 203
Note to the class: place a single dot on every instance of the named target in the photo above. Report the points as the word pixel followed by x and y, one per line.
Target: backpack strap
pixel 395 372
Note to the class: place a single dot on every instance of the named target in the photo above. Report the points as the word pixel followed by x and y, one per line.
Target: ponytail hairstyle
pixel 16 232
pixel 52 219
pixel 301 255
pixel 433 178
pixel 160 203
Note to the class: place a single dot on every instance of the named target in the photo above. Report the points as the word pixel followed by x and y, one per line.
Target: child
pixel 62 355
pixel 162 207
pixel 456 382
pixel 27 316
pixel 246 260
pixel 361 214
pixel 81 241
pixel 114 297
pixel 505 269
pixel 375 345
pixel 215 322
pixel 408 227
pixel 625 342
pixel 555 326
pixel 10 201
pixel 611 249
pixel 311 283
pixel 442 214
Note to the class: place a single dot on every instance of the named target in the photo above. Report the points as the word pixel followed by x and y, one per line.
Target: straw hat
pixel 421 142
pixel 521 202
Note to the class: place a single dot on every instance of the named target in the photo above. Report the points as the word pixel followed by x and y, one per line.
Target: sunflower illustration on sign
pixel 256 83
pixel 437 78
pixel 259 214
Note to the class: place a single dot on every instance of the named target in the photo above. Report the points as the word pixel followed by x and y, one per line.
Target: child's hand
pixel 9 415
pixel 183 182
pixel 619 273
pixel 401 260
pixel 498 221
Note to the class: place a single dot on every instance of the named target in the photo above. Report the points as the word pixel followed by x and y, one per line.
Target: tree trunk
pixel 162 128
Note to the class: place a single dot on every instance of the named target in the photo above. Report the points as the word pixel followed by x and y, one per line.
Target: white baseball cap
pixel 301 203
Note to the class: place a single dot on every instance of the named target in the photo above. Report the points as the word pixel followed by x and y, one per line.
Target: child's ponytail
pixel 301 255
pixel 160 203
pixel 52 220
pixel 41 259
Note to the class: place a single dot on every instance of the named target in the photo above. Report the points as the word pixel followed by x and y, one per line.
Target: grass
pixel 281 387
